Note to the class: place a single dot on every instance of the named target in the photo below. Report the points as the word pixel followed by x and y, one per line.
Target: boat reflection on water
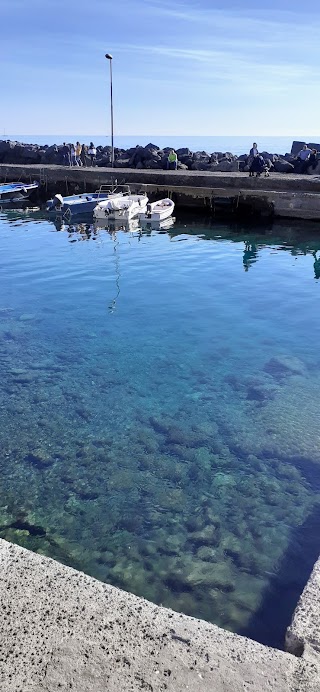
pixel 134 225
pixel 86 230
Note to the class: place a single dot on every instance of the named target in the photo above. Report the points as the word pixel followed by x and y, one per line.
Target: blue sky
pixel 201 67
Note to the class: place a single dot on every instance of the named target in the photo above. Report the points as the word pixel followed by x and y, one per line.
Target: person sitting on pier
pixel 172 162
pixel 310 162
pixel 302 157
pixel 257 166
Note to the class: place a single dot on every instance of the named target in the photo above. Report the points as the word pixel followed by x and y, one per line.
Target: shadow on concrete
pixel 268 625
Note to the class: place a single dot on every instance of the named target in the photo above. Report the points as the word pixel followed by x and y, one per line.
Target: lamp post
pixel 109 57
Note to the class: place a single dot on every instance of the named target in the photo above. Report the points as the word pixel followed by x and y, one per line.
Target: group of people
pixel 305 159
pixel 256 162
pixel 76 154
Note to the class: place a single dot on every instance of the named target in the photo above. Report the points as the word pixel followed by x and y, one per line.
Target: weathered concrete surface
pixel 96 176
pixel 62 630
pixel 282 195
pixel 303 635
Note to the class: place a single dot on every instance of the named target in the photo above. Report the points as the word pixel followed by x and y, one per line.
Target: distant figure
pixel 257 166
pixel 65 154
pixel 254 150
pixel 83 154
pixel 310 162
pixel 172 162
pixel 78 154
pixel 252 154
pixel 302 157
pixel 92 153
pixel 73 155
pixel 316 265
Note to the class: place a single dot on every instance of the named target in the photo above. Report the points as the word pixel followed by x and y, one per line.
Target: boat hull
pixel 128 208
pixel 16 192
pixel 158 211
pixel 78 204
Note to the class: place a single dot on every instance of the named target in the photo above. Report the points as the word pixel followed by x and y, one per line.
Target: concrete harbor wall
pixel 62 630
pixel 303 635
pixel 280 195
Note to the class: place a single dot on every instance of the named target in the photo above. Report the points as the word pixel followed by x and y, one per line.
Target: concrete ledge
pixel 288 196
pixel 303 635
pixel 62 630
pixel 97 176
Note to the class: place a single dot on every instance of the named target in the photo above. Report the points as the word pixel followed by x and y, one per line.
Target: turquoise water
pixel 159 409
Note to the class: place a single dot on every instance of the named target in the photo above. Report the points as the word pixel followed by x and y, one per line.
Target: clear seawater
pixel 159 409
pixel 233 144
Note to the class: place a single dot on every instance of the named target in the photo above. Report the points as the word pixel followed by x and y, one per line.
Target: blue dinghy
pixel 16 192
pixel 84 203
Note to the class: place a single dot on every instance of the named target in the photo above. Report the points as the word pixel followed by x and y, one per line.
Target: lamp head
pixel 108 56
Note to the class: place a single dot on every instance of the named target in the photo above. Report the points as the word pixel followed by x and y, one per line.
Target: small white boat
pixel 121 208
pixel 158 211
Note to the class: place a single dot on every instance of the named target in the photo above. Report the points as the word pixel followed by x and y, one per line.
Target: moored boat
pixel 158 211
pixel 121 208
pixel 16 192
pixel 84 203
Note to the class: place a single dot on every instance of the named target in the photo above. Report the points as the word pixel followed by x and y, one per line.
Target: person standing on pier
pixel 92 153
pixel 254 150
pixel 78 154
pixel 65 154
pixel 73 155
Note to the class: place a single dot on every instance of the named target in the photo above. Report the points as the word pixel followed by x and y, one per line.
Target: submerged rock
pixel 39 458
pixel 281 366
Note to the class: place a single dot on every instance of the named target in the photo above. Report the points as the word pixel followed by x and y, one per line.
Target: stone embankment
pixel 152 157
pixel 62 630
pixel 283 195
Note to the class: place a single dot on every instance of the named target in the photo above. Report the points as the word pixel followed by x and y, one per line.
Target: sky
pixel 192 67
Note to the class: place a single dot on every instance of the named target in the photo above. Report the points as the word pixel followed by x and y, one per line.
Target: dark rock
pixel 296 147
pixel 311 145
pixel 282 166
pixel 203 166
pixel 227 166
pixel 183 151
pixel 152 147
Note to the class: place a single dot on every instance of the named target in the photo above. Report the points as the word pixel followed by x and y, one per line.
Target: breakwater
pixel 282 195
pixel 152 157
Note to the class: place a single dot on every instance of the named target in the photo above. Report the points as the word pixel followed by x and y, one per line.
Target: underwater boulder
pixel 284 365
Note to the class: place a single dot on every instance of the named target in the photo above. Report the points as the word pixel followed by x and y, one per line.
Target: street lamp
pixel 109 57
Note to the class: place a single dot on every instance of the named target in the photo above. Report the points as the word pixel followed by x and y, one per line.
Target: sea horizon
pixel 224 143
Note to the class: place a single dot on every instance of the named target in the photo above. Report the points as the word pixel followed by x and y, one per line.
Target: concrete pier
pixel 62 630
pixel 280 195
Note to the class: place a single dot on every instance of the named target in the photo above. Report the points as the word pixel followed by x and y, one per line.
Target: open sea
pixel 159 409
pixel 235 145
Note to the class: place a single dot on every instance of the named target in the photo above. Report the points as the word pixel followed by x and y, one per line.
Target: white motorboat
pixel 158 211
pixel 121 208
